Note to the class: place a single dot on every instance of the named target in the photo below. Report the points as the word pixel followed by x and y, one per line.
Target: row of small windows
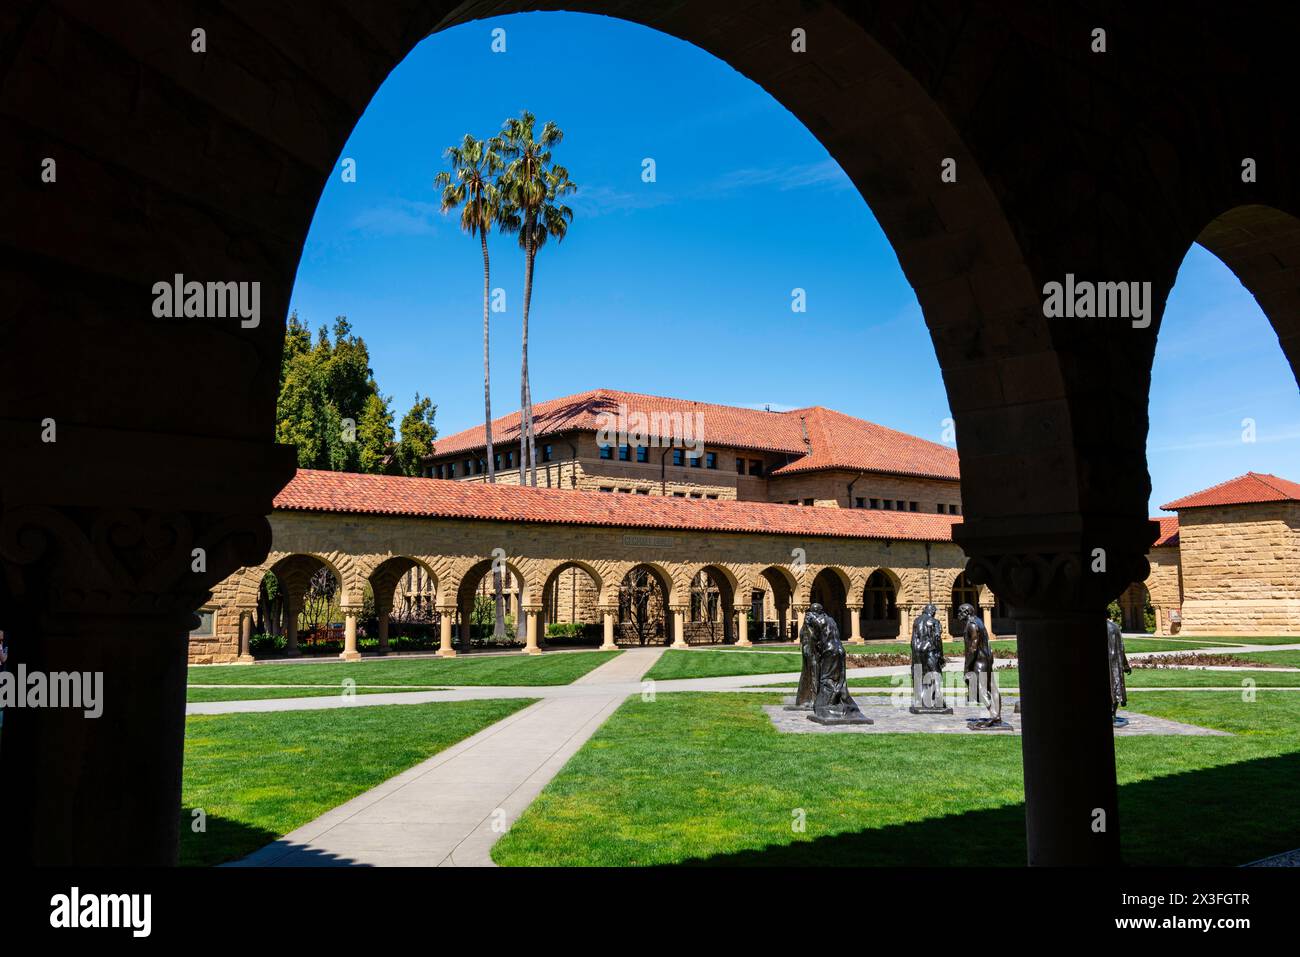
pixel 899 505
pixel 681 458
pixel 450 470
pixel 646 491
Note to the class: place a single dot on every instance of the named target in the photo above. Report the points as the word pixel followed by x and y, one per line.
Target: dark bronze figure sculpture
pixel 803 697
pixel 832 703
pixel 981 683
pixel 1119 667
pixel 927 664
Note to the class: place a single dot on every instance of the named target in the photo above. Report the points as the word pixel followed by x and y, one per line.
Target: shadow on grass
pixel 222 840
pixel 1227 815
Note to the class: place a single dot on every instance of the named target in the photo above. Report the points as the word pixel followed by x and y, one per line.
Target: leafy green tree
pixel 375 433
pixel 531 187
pixel 418 433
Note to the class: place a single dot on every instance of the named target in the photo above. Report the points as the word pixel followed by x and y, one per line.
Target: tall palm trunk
pixel 525 394
pixel 499 622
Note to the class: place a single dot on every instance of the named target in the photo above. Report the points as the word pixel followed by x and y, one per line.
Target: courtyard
pixel 654 756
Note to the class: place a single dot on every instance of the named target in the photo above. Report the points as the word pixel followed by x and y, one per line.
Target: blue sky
pixel 682 286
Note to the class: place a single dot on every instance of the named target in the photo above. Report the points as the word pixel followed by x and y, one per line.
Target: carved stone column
pixel 855 625
pixel 350 613
pixel 608 615
pixel 1058 574
pixel 245 636
pixel 108 591
pixel 534 615
pixel 445 614
pixel 905 616
pixel 679 625
pixel 742 627
pixel 291 630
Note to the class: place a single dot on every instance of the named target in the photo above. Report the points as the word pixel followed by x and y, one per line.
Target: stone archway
pixel 212 169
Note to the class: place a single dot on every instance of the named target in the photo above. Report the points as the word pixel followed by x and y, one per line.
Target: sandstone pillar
pixel 291 632
pixel 1160 619
pixel 1045 570
pixel 445 615
pixel 533 616
pixel 855 625
pixel 679 626
pixel 986 614
pixel 350 652
pixel 905 616
pixel 245 636
pixel 742 628
pixel 608 644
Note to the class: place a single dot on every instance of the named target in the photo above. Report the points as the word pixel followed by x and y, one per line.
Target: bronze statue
pixel 1119 667
pixel 980 680
pixel 927 664
pixel 832 703
pixel 803 698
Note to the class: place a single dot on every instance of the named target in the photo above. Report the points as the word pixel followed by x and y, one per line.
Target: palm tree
pixel 531 187
pixel 470 186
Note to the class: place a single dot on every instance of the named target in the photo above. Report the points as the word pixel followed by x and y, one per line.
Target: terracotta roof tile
pixel 1244 489
pixel 838 441
pixel 346 492
pixel 1168 530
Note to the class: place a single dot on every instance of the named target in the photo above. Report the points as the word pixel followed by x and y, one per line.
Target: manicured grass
pixel 556 668
pixel 194 695
pixel 676 663
pixel 259 776
pixel 725 788
pixel 1009 679
pixel 1275 659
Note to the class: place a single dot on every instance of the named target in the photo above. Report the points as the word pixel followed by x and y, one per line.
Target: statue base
pixel 843 719
pixel 987 724
pixel 1119 722
pixel 929 710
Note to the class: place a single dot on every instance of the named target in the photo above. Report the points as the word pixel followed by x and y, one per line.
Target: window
pixel 956 510
pixel 755 467
pixel 606 488
pixel 875 503
pixel 913 506
pixel 510 460
pixel 496 461
pixel 941 508
pixel 793 501
pixel 695 460
pixel 643 453
pixel 696 495
pixel 626 491
pixel 469 466
pixel 710 496
pixel 859 502
pixel 711 460
pixel 679 494
pixel 740 466
pixel 679 457
pixel 547 452
pixel 451 470
pixel 207 619
pixel 480 467
pixel 808 501
pixel 607 451
pixel 643 491
pixel 625 453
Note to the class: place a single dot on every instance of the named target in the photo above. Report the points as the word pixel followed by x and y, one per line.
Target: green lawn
pixel 259 776
pixel 1223 642
pixel 556 668
pixel 725 788
pixel 1275 659
pixel 194 695
pixel 676 663
pixel 1009 679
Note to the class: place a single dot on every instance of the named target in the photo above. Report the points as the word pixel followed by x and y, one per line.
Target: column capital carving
pixel 1057 563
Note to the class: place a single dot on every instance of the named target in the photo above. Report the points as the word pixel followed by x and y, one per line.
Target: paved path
pixel 451 809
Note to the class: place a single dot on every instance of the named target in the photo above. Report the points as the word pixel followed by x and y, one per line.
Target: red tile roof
pixel 1244 489
pixel 317 491
pixel 838 441
pixel 1168 530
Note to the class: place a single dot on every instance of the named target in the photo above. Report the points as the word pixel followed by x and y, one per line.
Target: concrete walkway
pixel 451 809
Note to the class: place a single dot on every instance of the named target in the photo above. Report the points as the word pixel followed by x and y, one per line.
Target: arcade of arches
pixel 745 571
pixel 1107 165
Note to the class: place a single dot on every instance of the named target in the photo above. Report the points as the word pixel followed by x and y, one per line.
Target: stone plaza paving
pixel 891 717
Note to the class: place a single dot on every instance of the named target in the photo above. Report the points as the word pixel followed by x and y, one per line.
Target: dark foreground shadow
pixel 227 842
pixel 1223 816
